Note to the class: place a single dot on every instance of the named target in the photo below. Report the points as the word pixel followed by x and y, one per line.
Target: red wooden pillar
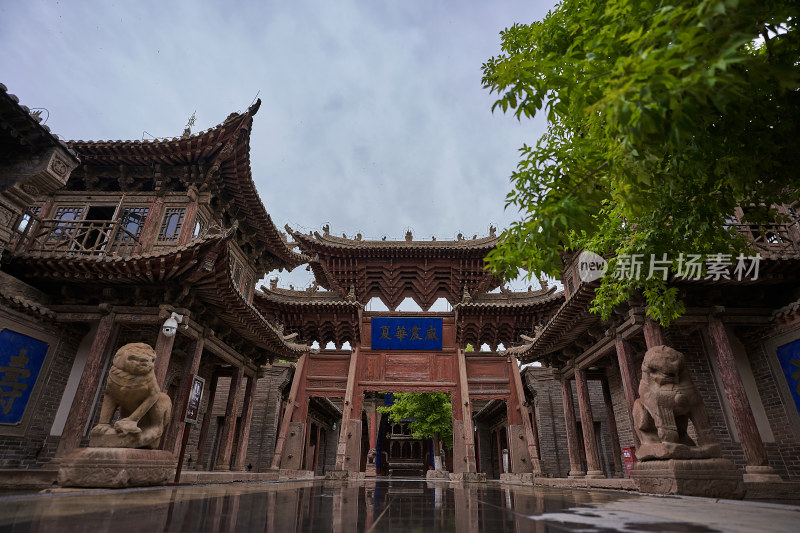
pixel 528 416
pixel 78 418
pixel 204 427
pixel 630 384
pixel 466 413
pixel 163 355
pixel 229 426
pixel 653 334
pixel 316 450
pixel 349 414
pixel 240 457
pixel 593 468
pixel 575 468
pixel 754 453
pixel 372 421
pixel 190 217
pixel 174 433
pixel 152 225
pixel 286 421
pixel 499 451
pixel 612 429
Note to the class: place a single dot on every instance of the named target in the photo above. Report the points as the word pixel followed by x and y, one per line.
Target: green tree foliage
pixel 663 116
pixel 430 414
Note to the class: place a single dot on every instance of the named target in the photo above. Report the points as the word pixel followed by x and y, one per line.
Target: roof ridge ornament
pixel 187 131
pixel 466 298
pixel 542 282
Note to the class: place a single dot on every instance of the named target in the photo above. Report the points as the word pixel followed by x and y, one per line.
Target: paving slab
pixel 382 504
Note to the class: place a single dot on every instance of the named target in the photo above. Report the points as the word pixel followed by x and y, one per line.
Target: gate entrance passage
pixel 406 352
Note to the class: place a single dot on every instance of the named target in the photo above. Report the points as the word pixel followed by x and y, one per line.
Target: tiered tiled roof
pixel 19 127
pixel 570 320
pixel 409 247
pixel 394 270
pixel 152 267
pixel 202 262
pixel 573 318
pixel 222 156
pixel 500 318
pixel 312 314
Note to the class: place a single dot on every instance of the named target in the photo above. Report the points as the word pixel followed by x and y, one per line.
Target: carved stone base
pixel 470 477
pixel 675 450
pixel 337 475
pixel 761 474
pixel 437 474
pixel 713 478
pixel 525 478
pixel 115 468
pixel 112 439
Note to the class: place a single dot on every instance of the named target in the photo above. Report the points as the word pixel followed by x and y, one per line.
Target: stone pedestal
pixel 337 475
pixel 115 467
pixel 437 474
pixel 712 478
pixel 470 477
pixel 761 474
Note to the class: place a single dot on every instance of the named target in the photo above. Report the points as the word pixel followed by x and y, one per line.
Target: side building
pixel 129 235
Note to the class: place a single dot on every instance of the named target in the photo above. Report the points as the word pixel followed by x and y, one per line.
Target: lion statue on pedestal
pixel 667 401
pixel 144 410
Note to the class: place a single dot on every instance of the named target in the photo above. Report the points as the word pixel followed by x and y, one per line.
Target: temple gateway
pixel 163 242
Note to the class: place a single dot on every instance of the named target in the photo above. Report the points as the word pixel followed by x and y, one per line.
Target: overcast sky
pixel 373 118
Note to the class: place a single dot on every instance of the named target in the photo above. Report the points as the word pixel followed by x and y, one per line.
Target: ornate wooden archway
pixel 351 271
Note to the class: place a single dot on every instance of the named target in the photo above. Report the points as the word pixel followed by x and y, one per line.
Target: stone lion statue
pixel 143 409
pixel 667 401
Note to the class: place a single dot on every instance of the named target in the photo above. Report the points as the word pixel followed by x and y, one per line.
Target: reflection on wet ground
pixel 381 505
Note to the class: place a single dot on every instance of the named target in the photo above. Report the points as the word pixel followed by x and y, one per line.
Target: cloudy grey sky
pixel 373 118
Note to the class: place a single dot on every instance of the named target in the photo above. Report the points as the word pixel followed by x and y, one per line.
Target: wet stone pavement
pixel 381 505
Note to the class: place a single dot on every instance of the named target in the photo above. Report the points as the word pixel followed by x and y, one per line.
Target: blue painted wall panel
pixel 21 359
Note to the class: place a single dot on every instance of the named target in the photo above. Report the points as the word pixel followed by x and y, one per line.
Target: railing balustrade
pixel 54 237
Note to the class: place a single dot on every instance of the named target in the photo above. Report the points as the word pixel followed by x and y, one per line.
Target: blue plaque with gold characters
pixel 21 359
pixel 789 358
pixel 406 333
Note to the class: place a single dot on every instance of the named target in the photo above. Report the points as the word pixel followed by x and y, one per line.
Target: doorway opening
pixel 414 433
pixel 322 431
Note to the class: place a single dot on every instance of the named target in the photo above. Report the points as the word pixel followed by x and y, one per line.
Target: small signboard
pixel 195 397
pixel 406 333
pixel 21 359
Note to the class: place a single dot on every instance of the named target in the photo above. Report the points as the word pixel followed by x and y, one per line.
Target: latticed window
pixel 199 226
pixel 132 223
pixel 171 225
pixel 248 286
pixel 69 216
pixel 237 274
pixel 26 218
pixel 69 213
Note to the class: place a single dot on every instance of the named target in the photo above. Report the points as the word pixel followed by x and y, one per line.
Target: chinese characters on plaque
pixel 21 359
pixel 406 333
pixel 195 397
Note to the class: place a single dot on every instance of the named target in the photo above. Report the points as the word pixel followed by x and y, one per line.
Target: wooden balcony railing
pixel 53 237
